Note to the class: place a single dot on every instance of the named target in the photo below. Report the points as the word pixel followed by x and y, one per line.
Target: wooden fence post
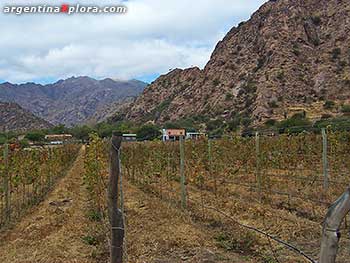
pixel 182 174
pixel 115 214
pixel 330 236
pixel 325 160
pixel 210 158
pixel 258 173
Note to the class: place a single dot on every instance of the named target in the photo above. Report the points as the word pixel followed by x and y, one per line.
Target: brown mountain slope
pixel 71 101
pixel 15 118
pixel 290 53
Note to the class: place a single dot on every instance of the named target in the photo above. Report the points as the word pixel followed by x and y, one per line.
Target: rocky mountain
pixel 71 101
pixel 15 118
pixel 290 55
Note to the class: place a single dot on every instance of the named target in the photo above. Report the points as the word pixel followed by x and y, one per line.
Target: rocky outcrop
pixel 290 53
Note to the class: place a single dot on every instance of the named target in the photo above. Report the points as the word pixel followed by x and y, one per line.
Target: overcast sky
pixel 153 37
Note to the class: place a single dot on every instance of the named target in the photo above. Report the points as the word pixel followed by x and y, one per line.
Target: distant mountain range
pixel 77 100
pixel 291 55
pixel 15 118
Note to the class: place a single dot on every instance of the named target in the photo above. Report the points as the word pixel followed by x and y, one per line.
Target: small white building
pixel 195 135
pixel 129 137
pixel 173 134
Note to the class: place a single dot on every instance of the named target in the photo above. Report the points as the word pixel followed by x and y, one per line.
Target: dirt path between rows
pixel 158 232
pixel 53 231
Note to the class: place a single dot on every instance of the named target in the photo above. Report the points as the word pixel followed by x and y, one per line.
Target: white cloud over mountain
pixel 154 36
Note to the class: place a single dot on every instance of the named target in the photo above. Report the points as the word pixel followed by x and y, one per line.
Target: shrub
pixel 345 108
pixel 336 52
pixel 244 242
pixel 35 136
pixel 216 82
pixel 296 50
pixel 81 132
pixel 329 105
pixel 90 240
pixel 148 132
pixel 24 143
pixel 3 139
pixel 246 121
pixel 270 122
pixel 273 104
pixel 249 87
pixel 340 123
pixel 326 116
pixel 280 75
pixel 346 81
pixel 260 63
pixel 295 124
pixel 316 20
pixel 214 124
pixel 228 96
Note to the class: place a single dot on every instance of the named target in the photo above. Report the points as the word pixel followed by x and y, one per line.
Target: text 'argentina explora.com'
pixel 68 9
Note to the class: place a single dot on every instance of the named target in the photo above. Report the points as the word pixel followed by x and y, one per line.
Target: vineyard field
pixel 26 176
pixel 251 191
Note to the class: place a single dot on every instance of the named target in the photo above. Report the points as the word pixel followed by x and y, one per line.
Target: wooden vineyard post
pixel 325 160
pixel 50 163
pixel 6 183
pixel 182 174
pixel 210 158
pixel 331 235
pixel 258 173
pixel 115 214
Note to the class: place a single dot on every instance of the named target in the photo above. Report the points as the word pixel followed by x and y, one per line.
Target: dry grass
pixel 160 232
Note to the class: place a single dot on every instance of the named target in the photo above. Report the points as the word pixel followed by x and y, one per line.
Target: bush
pixel 81 132
pixel 296 51
pixel 270 122
pixel 326 116
pixel 148 132
pixel 316 20
pixel 35 136
pixel 329 105
pixel 295 124
pixel 249 87
pixel 228 96
pixel 216 82
pixel 60 129
pixel 340 123
pixel 214 124
pixel 345 108
pixel 273 104
pixel 24 143
pixel 280 75
pixel 3 139
pixel 234 124
pixel 246 121
pixel 336 52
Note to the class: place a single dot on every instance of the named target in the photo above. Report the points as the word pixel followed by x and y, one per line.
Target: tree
pixel 148 132
pixel 81 132
pixel 35 136
pixel 59 129
pixel 105 130
pixel 295 124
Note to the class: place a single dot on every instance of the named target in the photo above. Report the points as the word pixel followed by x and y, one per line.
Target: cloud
pixel 154 36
